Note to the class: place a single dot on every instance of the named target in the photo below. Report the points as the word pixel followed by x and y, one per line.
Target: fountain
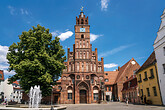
pixel 34 102
pixel 35 97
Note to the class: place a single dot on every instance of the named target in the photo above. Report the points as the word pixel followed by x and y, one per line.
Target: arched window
pixel 84 55
pixel 69 93
pixel 80 43
pixel 77 44
pixel 78 21
pixel 82 36
pixel 69 67
pixel 87 44
pixel 95 93
pixel 80 55
pixel 77 54
pixel 82 67
pixel 84 44
pixel 94 67
pixel 91 67
pixel 73 67
pixel 86 67
pixel 77 66
pixel 87 55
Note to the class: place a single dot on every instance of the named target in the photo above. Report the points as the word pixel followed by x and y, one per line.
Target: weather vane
pixel 81 8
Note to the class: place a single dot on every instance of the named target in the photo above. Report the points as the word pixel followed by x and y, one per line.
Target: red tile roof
pixel 111 77
pixel 16 82
pixel 128 69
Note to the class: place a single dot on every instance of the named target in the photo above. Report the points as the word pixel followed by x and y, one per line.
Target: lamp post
pixel 52 98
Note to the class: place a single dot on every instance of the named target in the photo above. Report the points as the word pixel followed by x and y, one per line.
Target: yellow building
pixel 148 84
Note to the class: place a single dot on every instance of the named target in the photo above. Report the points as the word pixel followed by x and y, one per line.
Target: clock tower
pixel 83 79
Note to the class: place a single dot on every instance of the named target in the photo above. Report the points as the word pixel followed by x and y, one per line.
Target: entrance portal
pixel 83 96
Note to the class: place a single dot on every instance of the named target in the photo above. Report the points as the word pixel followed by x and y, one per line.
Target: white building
pixel 12 92
pixel 159 47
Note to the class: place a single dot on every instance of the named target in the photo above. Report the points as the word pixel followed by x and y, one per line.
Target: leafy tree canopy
pixel 36 59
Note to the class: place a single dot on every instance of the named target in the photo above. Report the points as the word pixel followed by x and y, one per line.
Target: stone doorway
pixel 83 96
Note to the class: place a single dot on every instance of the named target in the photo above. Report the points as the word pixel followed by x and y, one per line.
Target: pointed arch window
pixel 87 55
pixel 86 67
pixel 77 44
pixel 80 43
pixel 84 44
pixel 73 67
pixel 82 67
pixel 87 44
pixel 70 67
pixel 77 66
pixel 94 67
pixel 80 55
pixel 84 56
pixel 77 54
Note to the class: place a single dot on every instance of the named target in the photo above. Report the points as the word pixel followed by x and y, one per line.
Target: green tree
pixel 36 59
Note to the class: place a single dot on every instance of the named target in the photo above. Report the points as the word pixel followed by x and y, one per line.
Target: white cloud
pixel 12 10
pixel 3 66
pixel 139 58
pixel 3 61
pixel 62 36
pixel 9 73
pixel 65 35
pixel 93 37
pixel 23 11
pixel 104 5
pixel 55 33
pixel 110 65
pixel 18 11
pixel 115 50
pixel 3 53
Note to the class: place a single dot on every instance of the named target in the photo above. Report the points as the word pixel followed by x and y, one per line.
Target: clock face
pixel 82 29
pixel 133 62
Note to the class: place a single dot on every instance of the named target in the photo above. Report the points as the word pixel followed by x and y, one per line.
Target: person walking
pixel 126 99
pixel 5 101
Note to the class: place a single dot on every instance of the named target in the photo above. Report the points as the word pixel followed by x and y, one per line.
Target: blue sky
pixel 120 29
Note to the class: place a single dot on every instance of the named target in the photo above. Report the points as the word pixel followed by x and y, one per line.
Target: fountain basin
pixel 25 108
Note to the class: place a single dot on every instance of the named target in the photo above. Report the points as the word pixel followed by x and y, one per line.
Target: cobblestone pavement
pixel 112 106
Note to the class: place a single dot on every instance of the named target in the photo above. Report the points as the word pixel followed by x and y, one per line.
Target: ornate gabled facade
pixel 83 79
